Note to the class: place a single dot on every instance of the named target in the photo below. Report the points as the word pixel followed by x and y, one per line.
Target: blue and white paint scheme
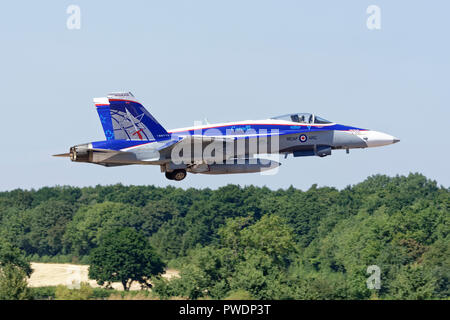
pixel 134 136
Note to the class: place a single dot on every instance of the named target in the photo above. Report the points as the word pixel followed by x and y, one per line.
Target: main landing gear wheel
pixel 176 175
pixel 179 174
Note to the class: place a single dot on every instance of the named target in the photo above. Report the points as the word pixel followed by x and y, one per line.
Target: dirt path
pixel 53 274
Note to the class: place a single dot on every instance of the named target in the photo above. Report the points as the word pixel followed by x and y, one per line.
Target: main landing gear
pixel 176 175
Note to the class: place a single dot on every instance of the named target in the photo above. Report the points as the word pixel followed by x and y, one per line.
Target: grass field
pixel 54 274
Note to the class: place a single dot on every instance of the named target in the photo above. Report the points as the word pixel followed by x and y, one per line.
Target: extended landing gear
pixel 176 175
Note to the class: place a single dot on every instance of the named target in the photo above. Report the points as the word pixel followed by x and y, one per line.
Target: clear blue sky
pixel 226 61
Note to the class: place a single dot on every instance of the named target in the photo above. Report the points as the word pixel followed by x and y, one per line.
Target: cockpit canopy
pixel 302 118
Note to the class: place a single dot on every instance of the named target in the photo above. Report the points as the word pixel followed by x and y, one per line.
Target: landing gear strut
pixel 176 175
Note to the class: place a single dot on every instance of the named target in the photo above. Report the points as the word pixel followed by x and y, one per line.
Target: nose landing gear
pixel 176 175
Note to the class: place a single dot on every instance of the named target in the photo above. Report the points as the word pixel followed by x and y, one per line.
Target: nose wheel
pixel 176 175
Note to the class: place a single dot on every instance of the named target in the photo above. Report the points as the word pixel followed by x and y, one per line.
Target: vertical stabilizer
pixel 124 118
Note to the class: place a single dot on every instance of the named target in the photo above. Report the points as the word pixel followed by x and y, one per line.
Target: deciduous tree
pixel 124 255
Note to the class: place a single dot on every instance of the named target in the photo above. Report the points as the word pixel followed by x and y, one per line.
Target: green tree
pixel 10 255
pixel 85 292
pixel 412 282
pixel 47 223
pixel 154 214
pixel 239 295
pixel 271 235
pixel 437 261
pixel 13 283
pixel 90 223
pixel 14 271
pixel 124 255
pixel 252 258
pixel 280 244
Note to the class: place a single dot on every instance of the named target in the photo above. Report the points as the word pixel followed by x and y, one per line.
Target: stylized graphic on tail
pixel 124 118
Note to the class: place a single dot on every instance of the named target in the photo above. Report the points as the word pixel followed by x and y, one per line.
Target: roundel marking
pixel 303 138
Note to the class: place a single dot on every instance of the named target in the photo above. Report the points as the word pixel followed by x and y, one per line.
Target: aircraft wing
pixel 191 139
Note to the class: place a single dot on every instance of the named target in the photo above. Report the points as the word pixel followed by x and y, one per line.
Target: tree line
pixel 250 242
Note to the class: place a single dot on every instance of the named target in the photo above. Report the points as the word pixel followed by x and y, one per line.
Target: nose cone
pixel 377 139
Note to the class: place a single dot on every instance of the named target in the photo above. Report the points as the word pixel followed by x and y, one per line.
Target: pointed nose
pixel 377 139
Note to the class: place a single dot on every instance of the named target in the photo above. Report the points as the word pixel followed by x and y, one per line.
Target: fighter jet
pixel 134 136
